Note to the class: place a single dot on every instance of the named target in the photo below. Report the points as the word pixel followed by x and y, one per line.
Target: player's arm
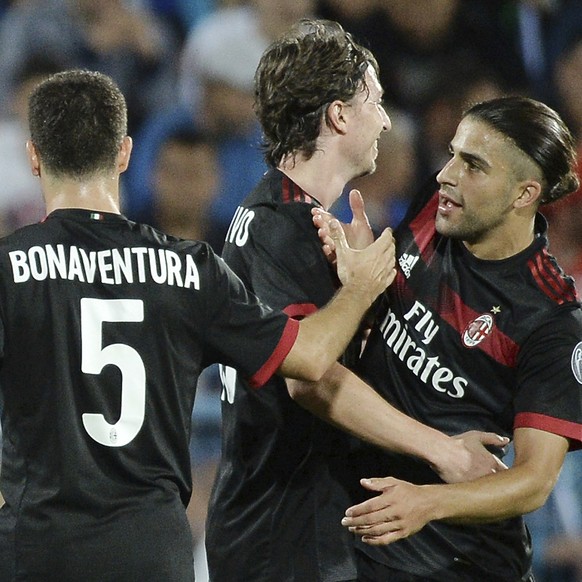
pixel 349 403
pixel 401 508
pixel 324 336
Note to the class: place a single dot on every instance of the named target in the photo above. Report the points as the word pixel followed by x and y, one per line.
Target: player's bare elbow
pixel 539 497
pixel 307 369
pixel 300 390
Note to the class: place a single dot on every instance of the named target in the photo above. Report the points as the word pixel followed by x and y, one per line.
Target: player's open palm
pixel 368 271
pixel 358 232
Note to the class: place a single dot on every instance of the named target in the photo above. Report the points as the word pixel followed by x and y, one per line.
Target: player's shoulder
pixel 549 280
pixel 562 322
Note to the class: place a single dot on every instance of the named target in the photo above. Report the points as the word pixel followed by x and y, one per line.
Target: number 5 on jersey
pixel 94 357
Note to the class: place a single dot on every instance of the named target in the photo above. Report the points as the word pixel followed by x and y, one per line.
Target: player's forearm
pixel 324 336
pixel 345 400
pixel 506 494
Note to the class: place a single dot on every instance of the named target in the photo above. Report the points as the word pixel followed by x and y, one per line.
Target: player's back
pixel 100 359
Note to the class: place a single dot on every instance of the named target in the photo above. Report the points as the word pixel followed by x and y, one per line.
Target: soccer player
pixel 105 326
pixel 282 482
pixel 480 329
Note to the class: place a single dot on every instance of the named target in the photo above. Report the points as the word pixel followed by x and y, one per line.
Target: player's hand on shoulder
pixel 358 232
pixel 368 271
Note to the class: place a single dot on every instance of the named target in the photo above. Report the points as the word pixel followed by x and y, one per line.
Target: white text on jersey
pixel 427 368
pixel 238 231
pixel 110 266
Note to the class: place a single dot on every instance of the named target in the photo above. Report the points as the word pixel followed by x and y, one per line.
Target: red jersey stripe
pixel 423 226
pixel 550 280
pixel 286 187
pixel 568 429
pixel 297 193
pixel 300 310
pixel 279 354
pixel 291 192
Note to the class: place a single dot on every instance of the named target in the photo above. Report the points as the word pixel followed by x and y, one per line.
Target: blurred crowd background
pixel 186 68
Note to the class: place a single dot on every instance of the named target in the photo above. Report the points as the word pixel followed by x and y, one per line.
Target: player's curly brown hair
pixel 77 122
pixel 298 76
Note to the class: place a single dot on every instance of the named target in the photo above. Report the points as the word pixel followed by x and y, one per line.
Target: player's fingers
pixel 377 529
pixel 337 235
pixel 491 438
pixel 385 539
pixel 357 205
pixel 387 240
pixel 378 483
pixel 320 217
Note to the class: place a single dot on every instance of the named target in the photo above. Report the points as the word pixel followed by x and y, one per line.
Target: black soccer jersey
pixel 460 344
pixel 279 495
pixel 105 326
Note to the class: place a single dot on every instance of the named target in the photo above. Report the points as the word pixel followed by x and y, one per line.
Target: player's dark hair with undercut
pixel 77 122
pixel 298 76
pixel 540 133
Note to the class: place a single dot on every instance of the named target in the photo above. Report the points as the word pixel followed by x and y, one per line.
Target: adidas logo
pixel 407 263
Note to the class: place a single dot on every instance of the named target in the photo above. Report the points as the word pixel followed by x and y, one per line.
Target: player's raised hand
pixel 358 232
pixel 368 271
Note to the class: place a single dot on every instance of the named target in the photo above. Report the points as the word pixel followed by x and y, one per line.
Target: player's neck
pixel 504 242
pixel 101 195
pixel 318 176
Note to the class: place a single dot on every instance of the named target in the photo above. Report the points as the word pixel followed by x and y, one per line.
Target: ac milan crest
pixel 477 330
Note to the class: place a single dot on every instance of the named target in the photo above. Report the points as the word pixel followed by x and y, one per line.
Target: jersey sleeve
pixel 241 331
pixel 282 260
pixel 549 390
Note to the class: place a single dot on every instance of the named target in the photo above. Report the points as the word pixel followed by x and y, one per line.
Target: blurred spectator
pixel 240 162
pixel 226 46
pixel 21 200
pixel 185 183
pixel 181 14
pixel 112 36
pixel 137 183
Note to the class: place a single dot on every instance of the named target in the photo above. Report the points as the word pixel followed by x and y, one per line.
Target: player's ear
pixel 124 154
pixel 336 116
pixel 33 159
pixel 529 193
